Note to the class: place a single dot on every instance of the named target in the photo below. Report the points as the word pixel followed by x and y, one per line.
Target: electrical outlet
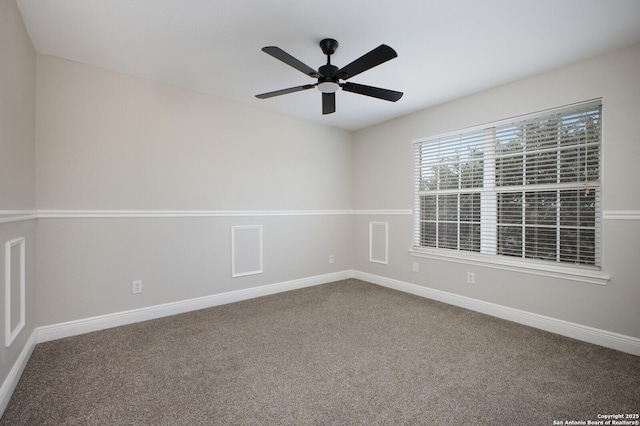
pixel 331 258
pixel 471 278
pixel 136 286
pixel 416 267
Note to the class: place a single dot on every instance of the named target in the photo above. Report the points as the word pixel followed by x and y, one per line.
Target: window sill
pixel 515 265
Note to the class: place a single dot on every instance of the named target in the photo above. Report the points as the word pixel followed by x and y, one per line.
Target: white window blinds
pixel 528 188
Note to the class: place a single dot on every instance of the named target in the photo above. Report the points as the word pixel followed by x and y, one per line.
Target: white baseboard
pixel 102 322
pixel 10 383
pixel 596 336
pixel 57 331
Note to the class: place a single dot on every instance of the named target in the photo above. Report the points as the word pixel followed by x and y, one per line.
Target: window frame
pixel 489 258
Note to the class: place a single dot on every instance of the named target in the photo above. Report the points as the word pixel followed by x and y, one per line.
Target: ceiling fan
pixel 329 76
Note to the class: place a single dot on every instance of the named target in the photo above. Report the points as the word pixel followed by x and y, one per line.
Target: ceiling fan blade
pixel 285 91
pixel 328 103
pixel 280 54
pixel 377 56
pixel 376 92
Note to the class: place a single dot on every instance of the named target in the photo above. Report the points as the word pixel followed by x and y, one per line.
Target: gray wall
pixel 383 179
pixel 17 164
pixel 107 141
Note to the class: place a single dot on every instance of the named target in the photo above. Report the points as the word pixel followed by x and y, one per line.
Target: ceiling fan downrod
pixel 328 82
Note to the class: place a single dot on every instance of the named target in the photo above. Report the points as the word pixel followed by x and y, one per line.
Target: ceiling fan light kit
pixel 328 87
pixel 329 76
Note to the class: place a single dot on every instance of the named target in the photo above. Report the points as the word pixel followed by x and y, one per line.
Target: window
pixel 525 189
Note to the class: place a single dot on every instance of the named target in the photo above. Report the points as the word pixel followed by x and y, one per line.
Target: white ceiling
pixel 446 48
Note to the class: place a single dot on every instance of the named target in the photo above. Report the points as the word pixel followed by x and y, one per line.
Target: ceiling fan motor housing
pixel 328 83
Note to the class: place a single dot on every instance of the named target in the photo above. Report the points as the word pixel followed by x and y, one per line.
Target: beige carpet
pixel 348 352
